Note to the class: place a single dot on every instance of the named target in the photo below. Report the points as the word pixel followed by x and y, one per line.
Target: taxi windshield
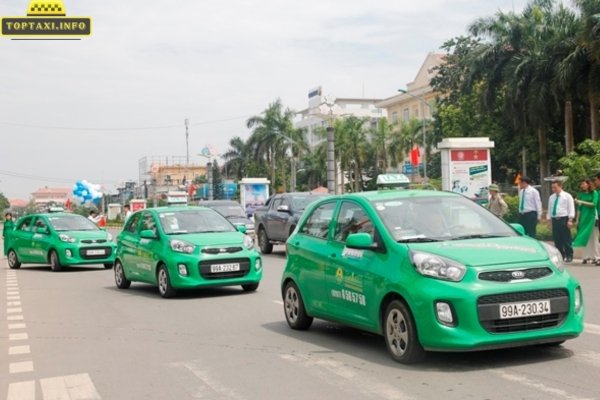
pixel 72 223
pixel 426 219
pixel 299 203
pixel 194 221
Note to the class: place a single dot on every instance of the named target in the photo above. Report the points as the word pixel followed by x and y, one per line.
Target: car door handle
pixel 333 255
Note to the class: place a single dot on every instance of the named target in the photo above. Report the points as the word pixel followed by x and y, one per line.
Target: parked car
pixel 185 248
pixel 233 211
pixel 59 239
pixel 430 271
pixel 277 219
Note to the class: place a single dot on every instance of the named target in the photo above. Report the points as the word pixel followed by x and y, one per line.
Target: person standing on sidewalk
pixel 496 205
pixel 587 218
pixel 597 185
pixel 9 225
pixel 530 207
pixel 561 211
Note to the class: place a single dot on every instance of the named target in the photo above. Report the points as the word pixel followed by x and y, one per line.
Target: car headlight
pixel 181 246
pixel 66 238
pixel 555 256
pixel 578 299
pixel 248 242
pixel 437 267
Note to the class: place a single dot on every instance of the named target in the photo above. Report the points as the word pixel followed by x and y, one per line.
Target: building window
pixel 405 115
pixel 394 117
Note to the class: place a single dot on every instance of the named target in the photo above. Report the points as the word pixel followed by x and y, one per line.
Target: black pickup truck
pixel 277 219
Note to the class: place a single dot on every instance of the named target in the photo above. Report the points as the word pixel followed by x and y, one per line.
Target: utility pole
pixel 187 142
pixel 209 174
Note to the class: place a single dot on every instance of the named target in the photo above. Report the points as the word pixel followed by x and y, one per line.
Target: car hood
pixel 488 252
pixel 240 220
pixel 85 235
pixel 211 239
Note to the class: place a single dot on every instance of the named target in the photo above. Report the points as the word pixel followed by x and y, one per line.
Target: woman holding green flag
pixel 587 234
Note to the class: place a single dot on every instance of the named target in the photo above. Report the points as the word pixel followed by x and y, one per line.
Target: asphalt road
pixel 74 335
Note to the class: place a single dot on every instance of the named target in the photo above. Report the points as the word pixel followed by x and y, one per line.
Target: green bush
pixel 512 215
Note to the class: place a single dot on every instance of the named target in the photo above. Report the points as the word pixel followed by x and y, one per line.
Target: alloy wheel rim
pixel 162 281
pixel 12 259
pixel 292 305
pixel 397 332
pixel 53 259
pixel 262 239
pixel 118 273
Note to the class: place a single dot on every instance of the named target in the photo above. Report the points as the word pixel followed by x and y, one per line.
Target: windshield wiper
pixel 418 240
pixel 477 236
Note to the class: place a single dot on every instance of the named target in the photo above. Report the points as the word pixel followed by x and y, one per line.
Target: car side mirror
pixel 283 208
pixel 148 234
pixel 359 241
pixel 519 228
pixel 241 228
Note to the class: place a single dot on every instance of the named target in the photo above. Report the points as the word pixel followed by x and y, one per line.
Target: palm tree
pixel 351 146
pixel 403 139
pixel 236 158
pixel 268 139
pixel 380 136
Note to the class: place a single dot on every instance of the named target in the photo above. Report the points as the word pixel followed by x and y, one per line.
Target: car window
pixel 194 221
pixel 25 225
pixel 277 202
pixel 317 224
pixel 148 223
pixel 39 223
pixel 352 219
pixel 63 223
pixel 132 223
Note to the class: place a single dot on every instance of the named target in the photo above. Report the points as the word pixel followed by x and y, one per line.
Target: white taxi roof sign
pixel 392 179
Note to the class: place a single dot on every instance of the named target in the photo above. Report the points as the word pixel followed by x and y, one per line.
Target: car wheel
pixel 293 306
pixel 55 262
pixel 108 265
pixel 250 287
pixel 13 260
pixel 120 279
pixel 401 334
pixel 263 242
pixel 164 283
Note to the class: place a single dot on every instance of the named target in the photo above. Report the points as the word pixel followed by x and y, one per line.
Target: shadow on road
pixel 65 269
pixel 150 291
pixel 370 347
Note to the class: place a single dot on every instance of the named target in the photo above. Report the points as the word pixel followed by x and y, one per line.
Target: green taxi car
pixel 185 248
pixel 59 239
pixel 430 271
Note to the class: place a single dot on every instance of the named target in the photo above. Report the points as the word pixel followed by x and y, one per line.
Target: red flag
pixel 192 190
pixel 415 154
pixel 68 204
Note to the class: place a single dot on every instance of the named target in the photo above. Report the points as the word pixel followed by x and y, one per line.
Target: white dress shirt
pixel 565 206
pixel 533 202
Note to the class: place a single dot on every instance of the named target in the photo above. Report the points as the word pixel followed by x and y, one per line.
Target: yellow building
pixel 419 97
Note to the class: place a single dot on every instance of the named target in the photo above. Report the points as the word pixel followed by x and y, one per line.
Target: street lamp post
pixel 422 100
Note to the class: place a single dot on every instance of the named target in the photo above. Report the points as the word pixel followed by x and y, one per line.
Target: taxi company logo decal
pixel 46 19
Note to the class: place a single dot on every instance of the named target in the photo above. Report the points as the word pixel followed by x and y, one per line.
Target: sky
pixel 90 109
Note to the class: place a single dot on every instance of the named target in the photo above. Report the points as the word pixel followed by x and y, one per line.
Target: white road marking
pixel 13 303
pixel 211 388
pixel 360 383
pixel 589 357
pixel 592 328
pixel 14 350
pixel 19 367
pixel 278 302
pixel 17 297
pixel 18 336
pixel 553 393
pixel 69 387
pixel 17 326
pixel 14 310
pixel 12 293
pixel 14 318
pixel 21 391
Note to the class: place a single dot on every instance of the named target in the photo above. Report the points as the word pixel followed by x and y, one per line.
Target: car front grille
pixel 508 276
pixel 221 250
pixel 83 253
pixel 91 241
pixel 205 268
pixel 488 309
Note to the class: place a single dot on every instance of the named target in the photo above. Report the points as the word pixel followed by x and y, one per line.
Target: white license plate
pixel 95 252
pixel 216 268
pixel 524 309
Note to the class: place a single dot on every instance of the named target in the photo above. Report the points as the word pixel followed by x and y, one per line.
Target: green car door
pixel 353 277
pixel 147 248
pixel 312 243
pixel 22 240
pixel 128 249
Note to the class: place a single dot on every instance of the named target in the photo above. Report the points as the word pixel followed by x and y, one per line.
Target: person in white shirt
pixel 561 211
pixel 94 217
pixel 530 207
pixel 127 211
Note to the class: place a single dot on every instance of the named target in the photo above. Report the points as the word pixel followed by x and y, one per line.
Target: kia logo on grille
pixel 222 250
pixel 518 274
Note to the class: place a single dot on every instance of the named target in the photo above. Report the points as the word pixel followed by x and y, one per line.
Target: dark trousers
pixel 529 221
pixel 562 237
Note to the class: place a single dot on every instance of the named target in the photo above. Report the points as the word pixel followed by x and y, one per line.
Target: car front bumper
pixel 74 254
